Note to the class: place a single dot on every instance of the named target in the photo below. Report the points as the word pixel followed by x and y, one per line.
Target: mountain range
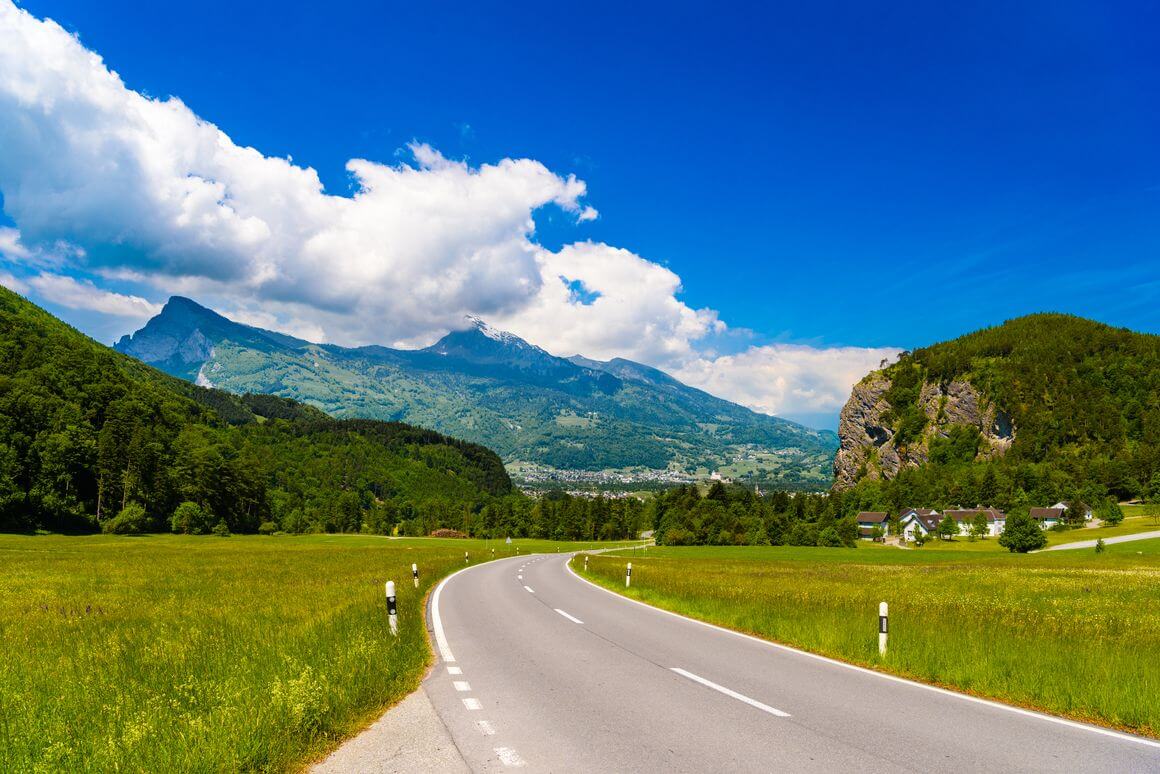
pixel 543 414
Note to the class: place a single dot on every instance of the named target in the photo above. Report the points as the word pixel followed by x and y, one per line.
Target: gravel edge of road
pixel 409 737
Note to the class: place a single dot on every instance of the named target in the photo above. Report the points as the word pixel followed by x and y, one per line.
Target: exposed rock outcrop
pixel 868 436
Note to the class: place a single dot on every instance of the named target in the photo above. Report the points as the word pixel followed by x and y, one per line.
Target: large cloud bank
pixel 110 188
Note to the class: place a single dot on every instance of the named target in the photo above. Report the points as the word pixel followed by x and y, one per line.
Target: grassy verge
pixel 168 653
pixel 1072 633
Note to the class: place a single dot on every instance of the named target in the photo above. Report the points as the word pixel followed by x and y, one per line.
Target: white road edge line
pixel 882 675
pixel 509 757
pixel 571 618
pixel 731 694
pixel 437 621
pixel 530 589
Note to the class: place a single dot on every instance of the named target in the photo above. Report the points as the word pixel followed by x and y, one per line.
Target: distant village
pixel 919 524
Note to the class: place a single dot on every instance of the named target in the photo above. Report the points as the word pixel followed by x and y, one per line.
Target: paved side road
pixel 1107 541
pixel 538 669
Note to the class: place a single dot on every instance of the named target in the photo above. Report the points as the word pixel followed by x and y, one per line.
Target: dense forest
pixel 735 515
pixel 1084 399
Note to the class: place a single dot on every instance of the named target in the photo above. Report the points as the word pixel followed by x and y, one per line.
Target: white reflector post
pixel 883 628
pixel 392 612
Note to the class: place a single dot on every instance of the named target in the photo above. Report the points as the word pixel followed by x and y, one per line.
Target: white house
pixel 965 518
pixel 921 520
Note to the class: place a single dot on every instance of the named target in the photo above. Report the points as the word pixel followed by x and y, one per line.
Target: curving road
pixel 542 670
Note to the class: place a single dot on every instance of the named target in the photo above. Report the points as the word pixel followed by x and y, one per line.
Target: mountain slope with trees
pixel 86 433
pixel 490 387
pixel 1043 408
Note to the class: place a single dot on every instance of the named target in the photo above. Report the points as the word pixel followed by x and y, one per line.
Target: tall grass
pixel 167 653
pixel 1073 633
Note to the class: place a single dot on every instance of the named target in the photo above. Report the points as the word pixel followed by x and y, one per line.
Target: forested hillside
pixel 86 433
pixel 1039 409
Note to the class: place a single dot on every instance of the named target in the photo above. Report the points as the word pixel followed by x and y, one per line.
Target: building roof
pixel 871 517
pixel 968 514
pixel 1039 514
pixel 927 517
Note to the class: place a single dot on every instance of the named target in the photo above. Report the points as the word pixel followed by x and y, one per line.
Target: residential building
pixel 965 518
pixel 921 520
pixel 1048 517
pixel 868 521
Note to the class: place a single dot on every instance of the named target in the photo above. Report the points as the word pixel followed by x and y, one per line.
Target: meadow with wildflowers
pixel 176 653
pixel 1073 633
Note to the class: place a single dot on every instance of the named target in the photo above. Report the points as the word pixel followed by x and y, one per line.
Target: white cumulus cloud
pixel 83 294
pixel 108 185
pixel 785 378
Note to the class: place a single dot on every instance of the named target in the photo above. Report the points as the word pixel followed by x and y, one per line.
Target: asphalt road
pixel 543 670
pixel 1107 541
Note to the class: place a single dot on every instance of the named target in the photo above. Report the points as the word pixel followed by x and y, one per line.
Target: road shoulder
pixel 409 737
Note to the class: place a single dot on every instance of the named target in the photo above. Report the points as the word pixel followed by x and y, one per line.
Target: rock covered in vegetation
pixel 1042 408
pixel 878 438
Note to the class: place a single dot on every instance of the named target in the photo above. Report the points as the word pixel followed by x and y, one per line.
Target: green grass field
pixel 1069 632
pixel 169 653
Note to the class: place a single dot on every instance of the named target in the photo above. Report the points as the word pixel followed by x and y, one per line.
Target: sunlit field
pixel 1070 632
pixel 168 653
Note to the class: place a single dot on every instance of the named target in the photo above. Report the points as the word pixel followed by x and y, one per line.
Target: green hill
pixel 492 387
pixel 85 431
pixel 1039 409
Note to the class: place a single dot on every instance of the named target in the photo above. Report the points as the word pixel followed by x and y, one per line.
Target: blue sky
pixel 832 175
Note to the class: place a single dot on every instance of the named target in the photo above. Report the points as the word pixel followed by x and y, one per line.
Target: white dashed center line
pixel 485 728
pixel 454 670
pixel 509 757
pixel 530 589
pixel 571 618
pixel 731 694
pixel 462 686
pixel 472 704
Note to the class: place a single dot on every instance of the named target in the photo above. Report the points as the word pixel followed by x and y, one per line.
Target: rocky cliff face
pixel 868 434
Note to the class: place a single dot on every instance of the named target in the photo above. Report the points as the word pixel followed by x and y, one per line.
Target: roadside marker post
pixel 628 575
pixel 392 612
pixel 585 562
pixel 465 559
pixel 415 574
pixel 883 627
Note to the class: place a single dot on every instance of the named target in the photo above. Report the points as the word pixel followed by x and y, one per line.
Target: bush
pixel 830 538
pixel 130 521
pixel 221 529
pixel 191 519
pixel 1022 534
pixel 267 528
pixel 1110 512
